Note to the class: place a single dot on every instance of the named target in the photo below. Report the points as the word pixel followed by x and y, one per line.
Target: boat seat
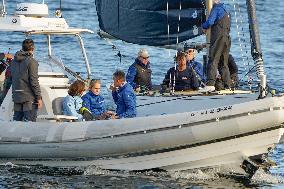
pixel 57 113
pixel 57 106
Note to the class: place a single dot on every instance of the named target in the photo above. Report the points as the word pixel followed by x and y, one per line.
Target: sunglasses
pixel 145 58
pixel 190 51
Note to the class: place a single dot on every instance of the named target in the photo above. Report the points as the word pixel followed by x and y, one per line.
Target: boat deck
pixel 187 102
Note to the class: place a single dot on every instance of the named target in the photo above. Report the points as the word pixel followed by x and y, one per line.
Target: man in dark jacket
pixel 182 77
pixel 139 73
pixel 123 96
pixel 25 85
pixel 220 22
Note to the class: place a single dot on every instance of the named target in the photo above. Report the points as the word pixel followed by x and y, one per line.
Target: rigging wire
pixel 177 42
pixel 168 28
pixel 239 20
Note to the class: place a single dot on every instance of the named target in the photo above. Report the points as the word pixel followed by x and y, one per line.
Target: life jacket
pixel 143 76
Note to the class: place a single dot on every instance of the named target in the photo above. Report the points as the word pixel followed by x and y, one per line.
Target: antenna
pixel 3 11
pixel 58 12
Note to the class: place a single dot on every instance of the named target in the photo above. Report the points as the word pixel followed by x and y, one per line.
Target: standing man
pixel 139 73
pixel 220 43
pixel 26 89
pixel 123 96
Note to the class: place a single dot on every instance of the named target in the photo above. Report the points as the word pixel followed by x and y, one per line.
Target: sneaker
pixel 207 89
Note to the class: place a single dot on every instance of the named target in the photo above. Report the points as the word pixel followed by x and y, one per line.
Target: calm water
pixel 104 61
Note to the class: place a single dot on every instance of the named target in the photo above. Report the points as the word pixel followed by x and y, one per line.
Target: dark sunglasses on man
pixel 145 58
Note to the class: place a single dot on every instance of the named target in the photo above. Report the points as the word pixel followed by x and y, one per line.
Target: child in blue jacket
pixel 94 102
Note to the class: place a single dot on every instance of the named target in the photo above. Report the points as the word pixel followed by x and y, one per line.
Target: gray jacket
pixel 24 72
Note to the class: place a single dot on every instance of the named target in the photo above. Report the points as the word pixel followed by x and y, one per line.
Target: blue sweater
pixel 125 100
pixel 71 106
pixel 218 11
pixel 94 103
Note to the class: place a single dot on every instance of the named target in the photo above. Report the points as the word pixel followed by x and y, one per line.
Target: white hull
pixel 179 132
pixel 173 141
pixel 226 154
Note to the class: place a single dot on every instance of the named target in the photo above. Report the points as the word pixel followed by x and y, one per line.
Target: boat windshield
pixel 51 64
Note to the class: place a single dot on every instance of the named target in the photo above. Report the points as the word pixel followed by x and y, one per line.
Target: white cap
pixel 143 53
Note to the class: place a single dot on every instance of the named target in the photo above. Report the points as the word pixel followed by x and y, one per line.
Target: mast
pixel 255 47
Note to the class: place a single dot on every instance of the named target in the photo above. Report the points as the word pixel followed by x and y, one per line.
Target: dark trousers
pixel 221 47
pixel 25 114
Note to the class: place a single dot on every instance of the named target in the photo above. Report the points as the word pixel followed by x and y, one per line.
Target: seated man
pixel 95 102
pixel 123 96
pixel 139 73
pixel 182 77
pixel 192 64
pixel 233 69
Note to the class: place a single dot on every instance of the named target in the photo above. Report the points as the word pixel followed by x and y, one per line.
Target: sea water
pixel 104 61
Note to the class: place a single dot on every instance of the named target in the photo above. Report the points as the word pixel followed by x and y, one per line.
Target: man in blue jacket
pixel 139 73
pixel 197 67
pixel 123 96
pixel 220 22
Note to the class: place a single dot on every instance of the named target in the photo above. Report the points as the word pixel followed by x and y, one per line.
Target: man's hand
pixel 204 31
pixel 112 87
pixel 114 117
pixel 39 104
pixel 110 113
pixel 9 56
pixel 137 90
